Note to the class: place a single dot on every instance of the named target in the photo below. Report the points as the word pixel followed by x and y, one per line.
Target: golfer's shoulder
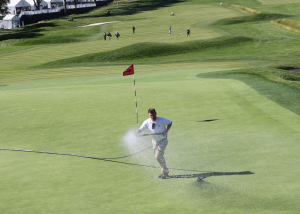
pixel 147 121
pixel 164 119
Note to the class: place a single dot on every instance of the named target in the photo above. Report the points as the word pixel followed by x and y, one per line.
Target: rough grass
pixel 245 9
pixel 290 25
pixel 252 18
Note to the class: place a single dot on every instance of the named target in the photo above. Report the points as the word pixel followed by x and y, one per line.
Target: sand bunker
pixel 94 24
pixel 296 70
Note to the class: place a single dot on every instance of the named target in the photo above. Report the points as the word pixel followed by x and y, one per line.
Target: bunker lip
pixel 94 24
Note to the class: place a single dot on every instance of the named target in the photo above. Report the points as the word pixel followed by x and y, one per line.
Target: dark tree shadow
pixel 130 8
pixel 31 31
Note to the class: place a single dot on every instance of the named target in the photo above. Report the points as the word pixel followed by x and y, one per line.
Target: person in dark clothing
pixel 117 34
pixel 109 35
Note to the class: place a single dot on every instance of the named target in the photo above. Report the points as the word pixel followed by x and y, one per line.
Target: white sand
pixel 94 24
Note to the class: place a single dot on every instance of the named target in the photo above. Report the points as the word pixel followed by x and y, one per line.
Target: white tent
pixel 18 7
pixel 43 5
pixel 56 3
pixel 10 21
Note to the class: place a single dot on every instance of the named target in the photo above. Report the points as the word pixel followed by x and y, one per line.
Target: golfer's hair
pixel 151 110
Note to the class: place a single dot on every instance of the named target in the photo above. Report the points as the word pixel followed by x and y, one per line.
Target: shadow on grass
pixel 130 8
pixel 210 120
pixel 200 176
pixel 31 31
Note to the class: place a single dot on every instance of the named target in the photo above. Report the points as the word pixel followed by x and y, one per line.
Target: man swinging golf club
pixel 159 128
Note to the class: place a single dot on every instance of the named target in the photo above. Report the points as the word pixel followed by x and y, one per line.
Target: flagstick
pixel 137 117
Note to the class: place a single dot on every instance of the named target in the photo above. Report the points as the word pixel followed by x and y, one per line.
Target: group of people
pixel 188 31
pixel 109 35
pixel 117 34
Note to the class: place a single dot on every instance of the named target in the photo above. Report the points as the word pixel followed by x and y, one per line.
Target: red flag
pixel 128 71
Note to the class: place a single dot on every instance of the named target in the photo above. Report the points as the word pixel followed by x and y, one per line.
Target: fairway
pixel 233 109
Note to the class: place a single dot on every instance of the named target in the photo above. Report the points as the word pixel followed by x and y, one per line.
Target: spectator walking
pixel 170 30
pixel 108 35
pixel 117 34
pixel 188 32
pixel 133 29
pixel 104 35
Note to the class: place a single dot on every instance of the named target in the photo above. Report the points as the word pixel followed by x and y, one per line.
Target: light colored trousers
pixel 159 151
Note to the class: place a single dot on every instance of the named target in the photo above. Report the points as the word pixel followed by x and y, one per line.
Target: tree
pixel 36 4
pixel 65 7
pixel 3 7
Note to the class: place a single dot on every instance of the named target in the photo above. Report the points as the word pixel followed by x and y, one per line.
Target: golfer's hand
pixel 137 132
pixel 165 133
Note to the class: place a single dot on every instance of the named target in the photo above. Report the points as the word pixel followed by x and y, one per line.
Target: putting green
pixel 81 115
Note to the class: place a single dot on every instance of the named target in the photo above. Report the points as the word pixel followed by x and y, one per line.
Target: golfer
pixel 188 32
pixel 104 35
pixel 158 126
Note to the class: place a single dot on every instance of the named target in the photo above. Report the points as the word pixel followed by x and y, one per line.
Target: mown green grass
pixel 233 74
pixel 74 115
pixel 142 51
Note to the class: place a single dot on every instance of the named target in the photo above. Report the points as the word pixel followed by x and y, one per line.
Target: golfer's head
pixel 152 113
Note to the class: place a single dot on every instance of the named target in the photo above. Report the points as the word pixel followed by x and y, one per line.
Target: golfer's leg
pixel 159 150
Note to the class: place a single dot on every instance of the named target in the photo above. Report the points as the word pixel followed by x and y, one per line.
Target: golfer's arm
pixel 169 126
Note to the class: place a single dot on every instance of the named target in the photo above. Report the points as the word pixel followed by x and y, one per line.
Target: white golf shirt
pixel 160 127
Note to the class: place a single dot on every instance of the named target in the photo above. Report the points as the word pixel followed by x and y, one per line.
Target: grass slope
pixel 147 51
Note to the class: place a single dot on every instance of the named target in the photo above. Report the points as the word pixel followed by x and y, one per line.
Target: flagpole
pixel 130 71
pixel 137 117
